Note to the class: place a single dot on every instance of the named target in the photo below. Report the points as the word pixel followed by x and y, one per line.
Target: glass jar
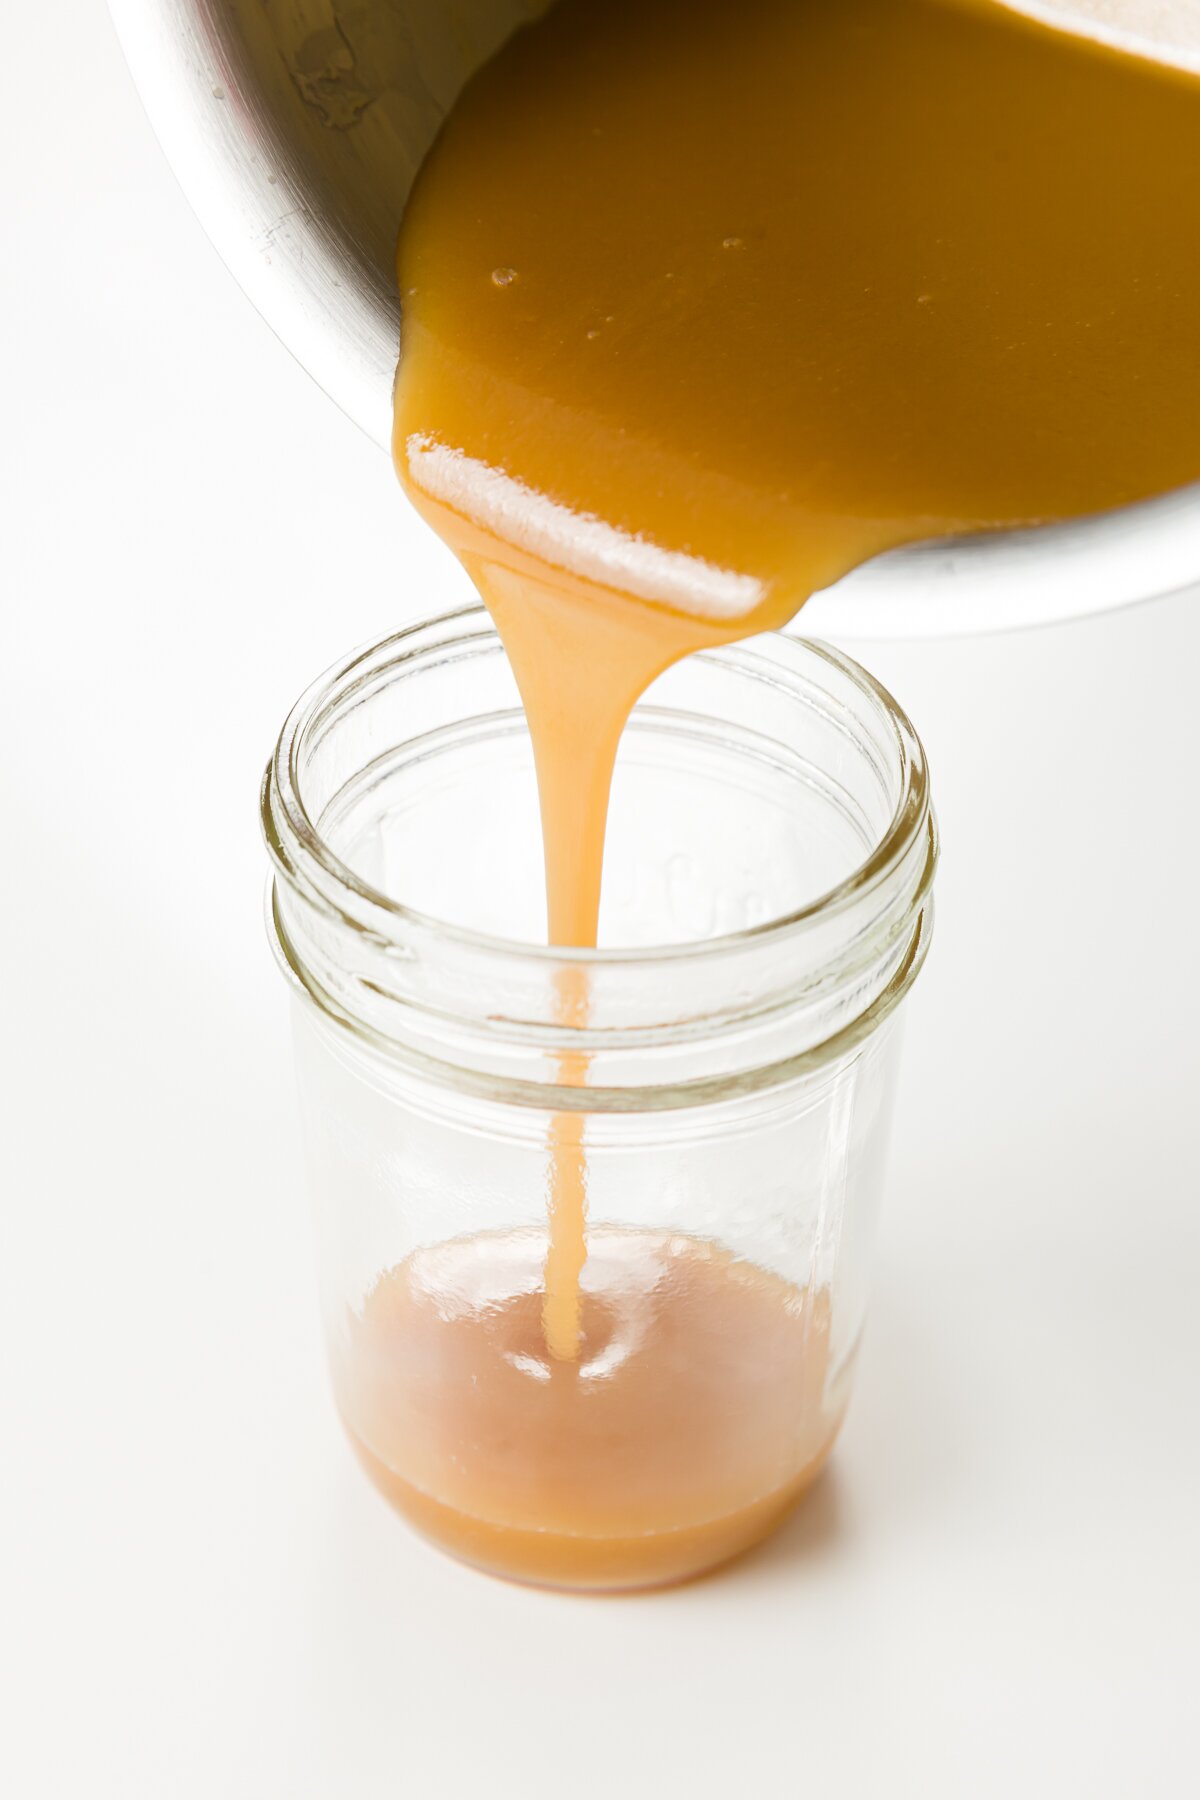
pixel 712 1087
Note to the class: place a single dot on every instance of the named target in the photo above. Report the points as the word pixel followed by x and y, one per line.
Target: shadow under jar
pixel 713 1086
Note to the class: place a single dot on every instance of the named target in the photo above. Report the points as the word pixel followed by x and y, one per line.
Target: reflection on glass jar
pixel 716 1094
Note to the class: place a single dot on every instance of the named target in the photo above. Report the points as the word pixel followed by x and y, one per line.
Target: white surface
pixel 997 1590
pixel 1166 29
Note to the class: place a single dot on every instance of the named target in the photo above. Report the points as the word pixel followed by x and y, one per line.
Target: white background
pixel 995 1592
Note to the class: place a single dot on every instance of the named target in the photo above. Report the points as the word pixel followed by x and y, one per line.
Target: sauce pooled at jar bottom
pixel 695 1414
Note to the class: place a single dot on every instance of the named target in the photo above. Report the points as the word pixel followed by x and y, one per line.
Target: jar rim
pixel 300 852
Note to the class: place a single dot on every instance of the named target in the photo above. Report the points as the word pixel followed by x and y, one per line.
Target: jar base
pixel 590 1563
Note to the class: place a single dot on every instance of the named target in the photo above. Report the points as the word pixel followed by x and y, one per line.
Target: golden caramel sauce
pixel 704 305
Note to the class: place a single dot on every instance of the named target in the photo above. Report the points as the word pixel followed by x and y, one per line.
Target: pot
pixel 296 128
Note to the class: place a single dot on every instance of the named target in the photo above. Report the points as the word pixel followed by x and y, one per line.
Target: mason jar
pixel 696 1112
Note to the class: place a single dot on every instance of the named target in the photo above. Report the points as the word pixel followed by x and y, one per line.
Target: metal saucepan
pixel 296 128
